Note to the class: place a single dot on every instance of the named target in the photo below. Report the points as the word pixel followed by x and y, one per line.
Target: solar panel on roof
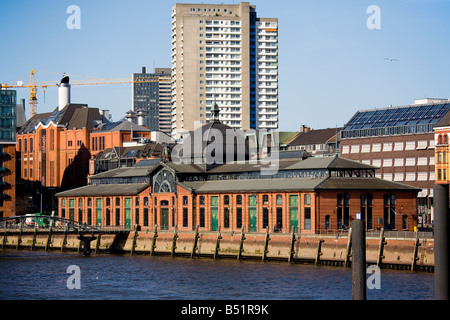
pixel 408 116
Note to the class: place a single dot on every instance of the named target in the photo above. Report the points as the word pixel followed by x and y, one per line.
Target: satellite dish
pixel 19 83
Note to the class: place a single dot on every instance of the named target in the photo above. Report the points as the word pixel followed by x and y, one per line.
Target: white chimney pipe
pixel 63 93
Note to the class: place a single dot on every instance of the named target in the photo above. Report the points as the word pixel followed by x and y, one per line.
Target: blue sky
pixel 330 64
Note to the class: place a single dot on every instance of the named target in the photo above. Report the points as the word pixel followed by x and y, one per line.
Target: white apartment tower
pixel 223 53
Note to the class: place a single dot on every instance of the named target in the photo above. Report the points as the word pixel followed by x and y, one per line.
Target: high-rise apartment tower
pixel 151 94
pixel 224 53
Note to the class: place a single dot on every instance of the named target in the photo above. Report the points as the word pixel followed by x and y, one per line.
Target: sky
pixel 331 64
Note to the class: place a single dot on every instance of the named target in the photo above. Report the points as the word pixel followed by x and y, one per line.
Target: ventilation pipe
pixel 63 93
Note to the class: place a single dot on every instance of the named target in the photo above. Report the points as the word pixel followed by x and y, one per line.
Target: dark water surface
pixel 28 275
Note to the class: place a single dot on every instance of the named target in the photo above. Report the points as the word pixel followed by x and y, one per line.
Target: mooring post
pixel 174 241
pixel 383 242
pixel 266 245
pixel 19 237
pixel 292 251
pixel 416 251
pixel 241 244
pixel 97 243
pixel 217 249
pixel 441 242
pixel 133 245
pixel 348 253
pixel 359 260
pixel 319 251
pixel 49 239
pixel 64 242
pixel 33 244
pixel 194 246
pixel 155 235
pixel 4 238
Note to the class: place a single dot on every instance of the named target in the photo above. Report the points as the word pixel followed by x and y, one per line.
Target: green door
pixel 214 213
pixel 252 213
pixel 293 203
pixel 252 217
pixel 72 210
pixel 99 211
pixel 128 213
pixel 294 219
pixel 164 218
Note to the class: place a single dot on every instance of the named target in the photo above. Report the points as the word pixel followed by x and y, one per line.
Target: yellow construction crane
pixel 44 85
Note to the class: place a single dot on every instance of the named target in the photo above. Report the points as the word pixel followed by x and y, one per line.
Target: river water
pixel 29 275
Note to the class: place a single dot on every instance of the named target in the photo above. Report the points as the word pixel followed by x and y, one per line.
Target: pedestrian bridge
pixel 50 232
pixel 54 223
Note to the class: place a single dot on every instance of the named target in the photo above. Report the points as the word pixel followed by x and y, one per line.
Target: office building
pixel 7 153
pixel 151 95
pixel 401 142
pixel 228 55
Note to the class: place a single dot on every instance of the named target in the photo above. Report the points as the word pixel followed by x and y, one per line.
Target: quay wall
pixel 406 253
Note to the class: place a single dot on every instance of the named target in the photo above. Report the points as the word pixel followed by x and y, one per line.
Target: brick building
pixel 400 141
pixel 442 164
pixel 311 195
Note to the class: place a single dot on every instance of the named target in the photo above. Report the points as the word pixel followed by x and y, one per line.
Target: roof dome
pixel 215 143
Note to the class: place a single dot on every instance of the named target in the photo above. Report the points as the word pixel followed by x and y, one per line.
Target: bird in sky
pixel 390 59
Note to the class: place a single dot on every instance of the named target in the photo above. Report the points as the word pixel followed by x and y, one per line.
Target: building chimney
pixel 304 129
pixel 130 116
pixel 63 93
pixel 141 117
pixel 144 70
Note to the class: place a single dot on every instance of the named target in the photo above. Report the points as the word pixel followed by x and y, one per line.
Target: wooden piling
pixel 174 241
pixel 381 245
pixel 358 260
pixel 97 244
pixel 194 246
pixel 33 243
pixel 416 250
pixel 348 252
pixel 133 245
pixel 217 248
pixel 49 238
pixel 441 242
pixel 64 242
pixel 241 244
pixel 292 251
pixel 4 238
pixel 266 245
pixel 155 235
pixel 319 251
pixel 19 237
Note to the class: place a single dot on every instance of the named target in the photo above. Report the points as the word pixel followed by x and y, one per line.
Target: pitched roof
pixel 124 172
pixel 71 116
pixel 123 125
pixel 372 184
pixel 105 190
pixel 252 185
pixel 314 137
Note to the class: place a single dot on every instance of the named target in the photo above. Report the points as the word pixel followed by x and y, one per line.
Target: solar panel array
pixel 392 121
